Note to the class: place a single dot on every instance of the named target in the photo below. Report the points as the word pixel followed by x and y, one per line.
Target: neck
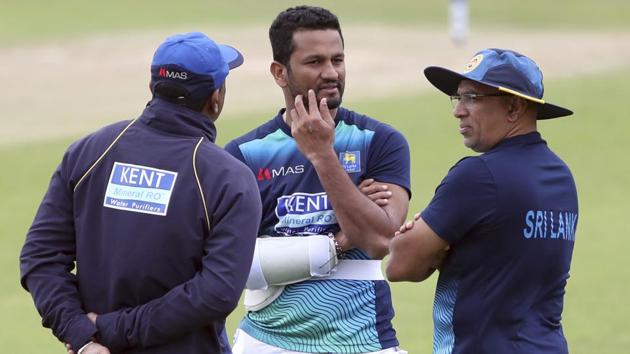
pixel 522 127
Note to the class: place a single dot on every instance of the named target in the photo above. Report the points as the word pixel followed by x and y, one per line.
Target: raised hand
pixel 313 130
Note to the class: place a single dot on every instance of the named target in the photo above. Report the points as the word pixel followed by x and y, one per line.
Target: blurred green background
pixel 594 144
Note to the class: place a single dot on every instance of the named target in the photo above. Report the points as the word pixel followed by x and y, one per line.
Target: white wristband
pixel 83 347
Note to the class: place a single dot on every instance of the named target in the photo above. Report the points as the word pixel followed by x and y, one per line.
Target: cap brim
pixel 232 57
pixel 448 81
pixel 548 111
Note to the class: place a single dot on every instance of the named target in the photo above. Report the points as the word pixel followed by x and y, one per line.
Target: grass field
pixel 594 143
pixel 40 19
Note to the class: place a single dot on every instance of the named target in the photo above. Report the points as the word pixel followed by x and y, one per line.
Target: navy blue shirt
pixel 510 216
pixel 321 316
pixel 162 224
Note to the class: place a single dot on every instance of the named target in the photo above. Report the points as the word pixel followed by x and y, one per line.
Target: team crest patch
pixel 473 63
pixel 351 161
pixel 139 189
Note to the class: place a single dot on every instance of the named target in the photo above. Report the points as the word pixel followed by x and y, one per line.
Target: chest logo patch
pixel 350 161
pixel 304 214
pixel 139 189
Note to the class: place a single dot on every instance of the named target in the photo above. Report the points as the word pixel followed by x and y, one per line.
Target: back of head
pixel 188 67
pixel 295 19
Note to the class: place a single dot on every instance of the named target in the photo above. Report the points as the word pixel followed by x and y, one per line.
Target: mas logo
pixel 139 189
pixel 305 214
pixel 182 75
pixel 265 173
pixel 350 161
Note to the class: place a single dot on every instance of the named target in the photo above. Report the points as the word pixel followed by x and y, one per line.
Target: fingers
pixel 376 192
pixel 416 217
pixel 366 183
pixel 314 110
pixel 381 202
pixel 368 186
pixel 312 103
pixel 406 226
pixel 325 112
pixel 92 316
pixel 300 110
pixel 380 198
pixel 294 116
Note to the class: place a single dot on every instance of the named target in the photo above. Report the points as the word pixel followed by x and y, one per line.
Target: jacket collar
pixel 175 119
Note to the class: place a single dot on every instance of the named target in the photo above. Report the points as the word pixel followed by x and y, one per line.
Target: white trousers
pixel 246 344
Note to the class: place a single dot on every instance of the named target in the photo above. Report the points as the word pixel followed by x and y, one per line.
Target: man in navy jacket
pixel 160 222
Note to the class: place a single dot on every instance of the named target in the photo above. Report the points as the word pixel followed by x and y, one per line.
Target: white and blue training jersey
pixel 326 316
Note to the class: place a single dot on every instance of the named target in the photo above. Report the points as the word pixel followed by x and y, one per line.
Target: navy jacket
pixel 162 225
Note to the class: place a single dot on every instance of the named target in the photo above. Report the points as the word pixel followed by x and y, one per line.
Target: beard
pixel 333 101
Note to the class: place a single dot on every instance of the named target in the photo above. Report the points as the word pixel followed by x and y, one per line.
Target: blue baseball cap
pixel 506 70
pixel 188 67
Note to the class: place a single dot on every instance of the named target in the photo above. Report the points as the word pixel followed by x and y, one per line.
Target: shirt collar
pixel 524 139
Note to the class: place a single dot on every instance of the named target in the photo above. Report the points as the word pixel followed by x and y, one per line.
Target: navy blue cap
pixel 506 70
pixel 189 67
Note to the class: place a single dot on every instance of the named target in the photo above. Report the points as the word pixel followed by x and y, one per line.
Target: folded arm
pixel 415 252
pixel 367 225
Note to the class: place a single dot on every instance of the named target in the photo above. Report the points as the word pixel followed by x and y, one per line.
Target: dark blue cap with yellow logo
pixel 506 70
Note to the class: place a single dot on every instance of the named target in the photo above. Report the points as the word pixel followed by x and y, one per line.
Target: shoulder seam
pixel 103 154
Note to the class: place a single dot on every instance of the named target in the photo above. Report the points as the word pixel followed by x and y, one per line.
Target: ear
pixel 216 100
pixel 279 73
pixel 516 108
pixel 213 106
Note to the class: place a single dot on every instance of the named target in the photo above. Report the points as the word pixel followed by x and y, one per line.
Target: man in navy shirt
pixel 160 221
pixel 501 226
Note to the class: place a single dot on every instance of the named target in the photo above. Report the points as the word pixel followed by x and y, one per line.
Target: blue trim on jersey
pixel 273 147
pixel 443 308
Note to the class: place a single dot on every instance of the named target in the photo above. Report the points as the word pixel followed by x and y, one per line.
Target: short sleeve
pixel 233 149
pixel 464 200
pixel 388 158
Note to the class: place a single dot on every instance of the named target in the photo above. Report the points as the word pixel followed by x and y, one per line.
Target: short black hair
pixel 296 19
pixel 177 93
